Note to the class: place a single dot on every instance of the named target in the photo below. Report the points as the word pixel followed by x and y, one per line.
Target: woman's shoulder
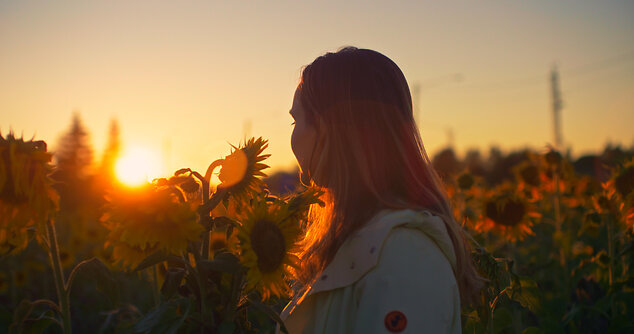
pixel 360 253
pixel 413 280
pixel 409 250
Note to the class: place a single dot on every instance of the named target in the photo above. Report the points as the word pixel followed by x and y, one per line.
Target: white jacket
pixel 395 275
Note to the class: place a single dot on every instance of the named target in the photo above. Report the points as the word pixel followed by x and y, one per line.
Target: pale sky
pixel 184 77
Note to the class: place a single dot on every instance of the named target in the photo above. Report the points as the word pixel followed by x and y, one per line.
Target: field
pixel 553 237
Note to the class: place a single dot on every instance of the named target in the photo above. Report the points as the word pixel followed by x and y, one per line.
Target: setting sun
pixel 138 165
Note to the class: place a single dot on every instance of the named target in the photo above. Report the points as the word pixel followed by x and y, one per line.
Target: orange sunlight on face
pixel 137 166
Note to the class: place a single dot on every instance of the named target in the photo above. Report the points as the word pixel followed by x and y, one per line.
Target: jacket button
pixel 372 249
pixel 323 278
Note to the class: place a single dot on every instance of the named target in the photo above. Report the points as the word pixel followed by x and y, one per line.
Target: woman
pixel 384 255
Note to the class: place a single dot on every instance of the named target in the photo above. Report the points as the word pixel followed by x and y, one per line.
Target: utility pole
pixel 417 87
pixel 557 106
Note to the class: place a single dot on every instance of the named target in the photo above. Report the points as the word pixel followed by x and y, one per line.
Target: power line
pixel 580 70
pixel 600 65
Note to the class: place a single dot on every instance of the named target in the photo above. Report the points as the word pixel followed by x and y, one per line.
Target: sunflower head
pixel 26 194
pixel 624 179
pixel 241 169
pixel 465 181
pixel 146 219
pixel 508 215
pixel 268 243
pixel 553 157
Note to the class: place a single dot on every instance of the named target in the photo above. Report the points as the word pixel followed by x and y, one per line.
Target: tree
pixel 446 163
pixel 111 152
pixel 74 153
pixel 80 197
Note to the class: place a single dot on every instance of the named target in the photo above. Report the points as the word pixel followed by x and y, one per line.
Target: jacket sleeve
pixel 412 289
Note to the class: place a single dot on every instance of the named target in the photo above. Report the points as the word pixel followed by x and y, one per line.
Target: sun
pixel 137 166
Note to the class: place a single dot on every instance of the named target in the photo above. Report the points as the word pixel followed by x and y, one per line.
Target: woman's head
pixel 357 107
pixel 356 137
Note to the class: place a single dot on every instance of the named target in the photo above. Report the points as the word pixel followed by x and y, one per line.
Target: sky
pixel 188 78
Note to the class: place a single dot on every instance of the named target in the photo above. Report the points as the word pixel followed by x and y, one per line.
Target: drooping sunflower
pixel 146 219
pixel 508 215
pixel 241 169
pixel 268 246
pixel 27 197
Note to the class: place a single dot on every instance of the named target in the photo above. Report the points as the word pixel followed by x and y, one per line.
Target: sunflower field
pixel 82 254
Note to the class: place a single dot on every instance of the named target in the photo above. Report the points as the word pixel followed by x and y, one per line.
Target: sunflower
pixel 143 220
pixel 617 196
pixel 268 245
pixel 465 181
pixel 129 256
pixel 241 168
pixel 624 179
pixel 26 195
pixel 508 215
pixel 299 204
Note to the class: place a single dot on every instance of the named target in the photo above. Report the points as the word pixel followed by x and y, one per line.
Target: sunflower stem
pixel 203 301
pixel 610 249
pixel 236 284
pixel 204 218
pixel 562 256
pixel 58 274
pixel 208 205
pixel 155 287
pixel 611 256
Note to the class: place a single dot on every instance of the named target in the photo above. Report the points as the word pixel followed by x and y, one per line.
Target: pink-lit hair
pixel 368 156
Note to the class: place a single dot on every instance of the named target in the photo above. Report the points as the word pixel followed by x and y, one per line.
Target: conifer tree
pixel 74 153
pixel 80 198
pixel 111 152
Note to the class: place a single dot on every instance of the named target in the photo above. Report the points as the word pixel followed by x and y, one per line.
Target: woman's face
pixel 304 136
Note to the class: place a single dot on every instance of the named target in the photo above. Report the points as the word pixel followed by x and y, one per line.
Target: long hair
pixel 368 156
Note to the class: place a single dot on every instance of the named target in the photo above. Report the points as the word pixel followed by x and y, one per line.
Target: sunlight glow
pixel 137 166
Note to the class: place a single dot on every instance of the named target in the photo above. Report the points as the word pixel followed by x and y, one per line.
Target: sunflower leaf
pixel 173 279
pixel 223 262
pixel 154 258
pixel 268 311
pixel 529 294
pixel 224 221
pixel 226 327
pixel 177 180
pixel 97 271
pixel 182 171
pixel 166 318
pixel 229 231
pixel 20 314
pixel 41 323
